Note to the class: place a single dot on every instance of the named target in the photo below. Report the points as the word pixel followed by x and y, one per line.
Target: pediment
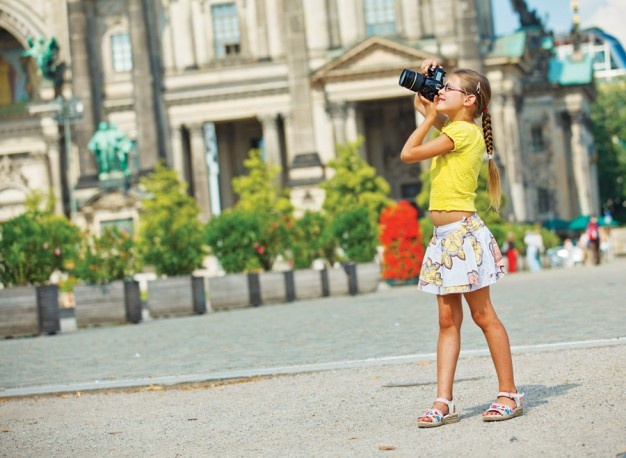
pixel 375 55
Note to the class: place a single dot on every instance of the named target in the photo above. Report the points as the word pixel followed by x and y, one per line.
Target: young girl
pixel 463 258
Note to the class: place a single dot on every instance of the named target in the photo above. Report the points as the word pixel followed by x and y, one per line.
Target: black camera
pixel 427 86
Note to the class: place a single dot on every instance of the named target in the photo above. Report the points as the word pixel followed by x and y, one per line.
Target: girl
pixel 463 258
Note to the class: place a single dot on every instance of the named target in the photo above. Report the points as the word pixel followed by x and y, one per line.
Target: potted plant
pixel 248 239
pixel 105 266
pixel 33 245
pixel 171 241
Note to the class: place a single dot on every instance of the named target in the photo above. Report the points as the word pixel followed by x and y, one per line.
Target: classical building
pixel 197 83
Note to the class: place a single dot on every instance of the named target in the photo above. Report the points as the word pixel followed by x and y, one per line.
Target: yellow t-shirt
pixel 454 175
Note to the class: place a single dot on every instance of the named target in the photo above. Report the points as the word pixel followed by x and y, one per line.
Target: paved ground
pixel 355 372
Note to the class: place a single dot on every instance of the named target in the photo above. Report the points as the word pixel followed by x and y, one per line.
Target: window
pixel 544 200
pixel 121 52
pixel 225 29
pixel 380 17
pixel 536 135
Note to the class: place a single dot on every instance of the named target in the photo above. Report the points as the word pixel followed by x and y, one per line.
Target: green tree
pixel 355 184
pixel 257 230
pixel 609 132
pixel 36 243
pixel 171 237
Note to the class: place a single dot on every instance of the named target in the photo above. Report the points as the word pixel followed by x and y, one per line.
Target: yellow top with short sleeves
pixel 454 175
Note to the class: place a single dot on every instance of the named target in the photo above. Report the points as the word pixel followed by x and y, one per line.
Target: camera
pixel 427 86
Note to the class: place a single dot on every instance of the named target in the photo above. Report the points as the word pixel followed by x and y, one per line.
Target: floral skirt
pixel 461 257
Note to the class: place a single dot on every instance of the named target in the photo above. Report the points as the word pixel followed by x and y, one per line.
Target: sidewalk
pixel 354 374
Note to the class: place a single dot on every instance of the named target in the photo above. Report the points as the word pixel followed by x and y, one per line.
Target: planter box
pixel 18 312
pixel 98 305
pixel 229 291
pixel 176 296
pixel 368 277
pixel 29 310
pixel 273 287
pixel 308 283
pixel 337 282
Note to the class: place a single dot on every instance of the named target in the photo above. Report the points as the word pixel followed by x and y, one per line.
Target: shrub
pixel 355 234
pixel 400 236
pixel 355 184
pixel 171 237
pixel 245 240
pixel 312 239
pixel 256 231
pixel 111 256
pixel 35 244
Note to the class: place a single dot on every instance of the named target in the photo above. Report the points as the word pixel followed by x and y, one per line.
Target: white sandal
pixel 505 412
pixel 437 417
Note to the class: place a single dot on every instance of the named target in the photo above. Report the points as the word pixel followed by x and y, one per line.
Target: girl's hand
pixel 427 64
pixel 429 108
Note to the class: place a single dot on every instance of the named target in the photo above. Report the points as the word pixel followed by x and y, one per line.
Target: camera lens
pixel 411 80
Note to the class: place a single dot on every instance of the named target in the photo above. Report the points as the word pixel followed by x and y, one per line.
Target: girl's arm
pixel 414 150
pixel 420 105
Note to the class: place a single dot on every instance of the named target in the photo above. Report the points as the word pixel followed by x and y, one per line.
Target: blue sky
pixel 557 14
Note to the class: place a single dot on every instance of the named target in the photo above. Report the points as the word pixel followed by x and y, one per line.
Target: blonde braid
pixel 495 194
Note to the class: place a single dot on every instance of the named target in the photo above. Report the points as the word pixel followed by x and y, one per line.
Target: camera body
pixel 427 86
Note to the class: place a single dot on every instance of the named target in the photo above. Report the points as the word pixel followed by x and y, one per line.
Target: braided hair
pixel 477 84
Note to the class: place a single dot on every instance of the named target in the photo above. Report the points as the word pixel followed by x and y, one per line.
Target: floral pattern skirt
pixel 461 257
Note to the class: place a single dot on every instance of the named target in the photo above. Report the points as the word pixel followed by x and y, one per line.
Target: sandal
pixel 505 412
pixel 437 417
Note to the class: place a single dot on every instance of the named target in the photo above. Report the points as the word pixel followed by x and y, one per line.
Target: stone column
pixel 182 34
pixel 468 35
pixel 176 140
pixel 352 122
pixel 199 37
pixel 580 163
pixel 199 172
pixel 507 145
pixel 82 82
pixel 271 139
pixel 143 88
pixel 299 83
pixel 261 30
pixel 338 112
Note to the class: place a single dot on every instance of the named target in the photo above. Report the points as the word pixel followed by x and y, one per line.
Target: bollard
pixel 290 286
pixel 325 282
pixel 48 309
pixel 199 295
pixel 254 289
pixel 353 284
pixel 132 301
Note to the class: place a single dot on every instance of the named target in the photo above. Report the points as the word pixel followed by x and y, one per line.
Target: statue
pixel 111 148
pixel 45 54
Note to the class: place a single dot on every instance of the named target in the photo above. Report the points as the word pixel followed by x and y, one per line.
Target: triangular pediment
pixel 374 55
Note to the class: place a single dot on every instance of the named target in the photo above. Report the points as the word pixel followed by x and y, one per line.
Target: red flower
pixel 401 239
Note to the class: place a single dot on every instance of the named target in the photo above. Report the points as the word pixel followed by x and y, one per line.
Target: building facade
pixel 198 83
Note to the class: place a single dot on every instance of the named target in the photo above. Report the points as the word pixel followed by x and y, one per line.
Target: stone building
pixel 197 83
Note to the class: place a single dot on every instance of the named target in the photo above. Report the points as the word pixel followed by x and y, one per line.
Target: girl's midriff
pixel 441 217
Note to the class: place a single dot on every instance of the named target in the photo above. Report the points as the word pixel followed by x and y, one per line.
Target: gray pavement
pixel 341 376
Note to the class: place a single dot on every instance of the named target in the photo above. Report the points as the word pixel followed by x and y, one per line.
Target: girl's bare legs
pixel 486 318
pixel 448 347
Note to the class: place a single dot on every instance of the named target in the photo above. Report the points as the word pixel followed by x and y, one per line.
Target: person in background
pixel 593 239
pixel 510 252
pixel 534 248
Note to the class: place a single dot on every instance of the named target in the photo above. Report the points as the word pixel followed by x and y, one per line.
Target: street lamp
pixel 69 110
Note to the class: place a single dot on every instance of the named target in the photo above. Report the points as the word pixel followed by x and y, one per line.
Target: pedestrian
pixel 510 252
pixel 593 239
pixel 534 248
pixel 462 259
